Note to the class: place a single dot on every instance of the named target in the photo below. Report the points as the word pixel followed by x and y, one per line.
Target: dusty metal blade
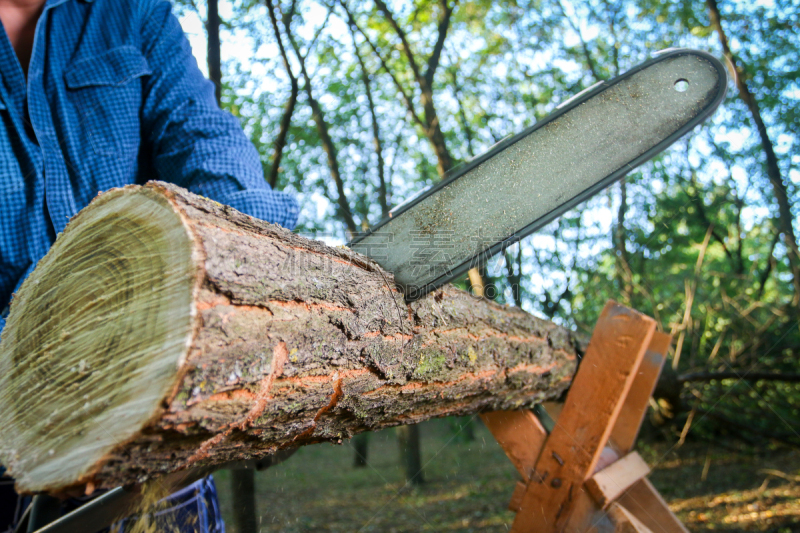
pixel 592 140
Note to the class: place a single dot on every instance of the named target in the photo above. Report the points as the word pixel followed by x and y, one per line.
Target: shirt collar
pixel 54 3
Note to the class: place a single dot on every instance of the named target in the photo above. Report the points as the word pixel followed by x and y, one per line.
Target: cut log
pixel 165 331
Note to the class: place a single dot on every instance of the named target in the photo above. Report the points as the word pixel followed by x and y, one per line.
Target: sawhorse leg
pixel 583 476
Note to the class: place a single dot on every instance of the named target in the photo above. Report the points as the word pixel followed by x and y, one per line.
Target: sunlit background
pixel 703 238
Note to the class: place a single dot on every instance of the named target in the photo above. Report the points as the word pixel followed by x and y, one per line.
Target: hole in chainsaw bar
pixel 681 85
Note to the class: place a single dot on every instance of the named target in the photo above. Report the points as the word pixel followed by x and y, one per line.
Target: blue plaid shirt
pixel 113 97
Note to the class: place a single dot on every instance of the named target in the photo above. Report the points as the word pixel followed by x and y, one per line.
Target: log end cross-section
pixel 98 332
pixel 164 331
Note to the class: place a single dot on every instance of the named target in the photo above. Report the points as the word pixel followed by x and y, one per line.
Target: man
pixel 98 94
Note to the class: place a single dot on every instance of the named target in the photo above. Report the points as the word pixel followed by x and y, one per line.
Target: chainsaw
pixel 518 186
pixel 522 183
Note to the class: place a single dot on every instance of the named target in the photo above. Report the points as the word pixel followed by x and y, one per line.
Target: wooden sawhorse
pixel 582 475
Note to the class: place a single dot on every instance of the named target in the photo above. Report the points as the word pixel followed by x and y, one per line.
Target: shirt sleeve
pixel 194 143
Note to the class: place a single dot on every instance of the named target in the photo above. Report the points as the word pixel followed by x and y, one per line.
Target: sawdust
pixel 145 517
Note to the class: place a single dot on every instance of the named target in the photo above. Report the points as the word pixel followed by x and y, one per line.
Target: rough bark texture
pixel 296 342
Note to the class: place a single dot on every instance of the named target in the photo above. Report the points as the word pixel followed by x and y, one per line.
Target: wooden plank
pixel 586 516
pixel 607 456
pixel 521 436
pixel 611 482
pixel 646 504
pixel 516 498
pixel 625 431
pixel 553 409
pixel 624 521
pixel 594 401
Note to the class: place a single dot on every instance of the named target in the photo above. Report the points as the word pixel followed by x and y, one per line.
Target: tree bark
pixel 165 331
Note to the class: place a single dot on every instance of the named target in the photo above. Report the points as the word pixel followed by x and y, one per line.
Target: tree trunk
pixel 214 49
pixel 165 331
pixel 283 133
pixel 325 138
pixel 360 450
pixel 785 219
pixel 410 453
pixel 286 119
pixel 383 197
pixel 243 489
pixel 622 263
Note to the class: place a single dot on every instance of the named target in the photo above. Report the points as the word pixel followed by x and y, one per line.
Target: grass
pixel 469 483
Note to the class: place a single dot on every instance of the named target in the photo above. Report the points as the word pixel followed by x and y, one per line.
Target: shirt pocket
pixel 107 92
pixel 10 172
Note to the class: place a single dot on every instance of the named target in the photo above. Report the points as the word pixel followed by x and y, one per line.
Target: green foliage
pixel 697 246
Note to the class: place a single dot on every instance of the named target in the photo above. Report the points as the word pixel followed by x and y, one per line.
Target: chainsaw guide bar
pixel 590 141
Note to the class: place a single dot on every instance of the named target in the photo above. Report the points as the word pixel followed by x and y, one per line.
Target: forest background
pixel 357 106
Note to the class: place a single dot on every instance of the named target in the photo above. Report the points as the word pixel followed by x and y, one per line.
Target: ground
pixel 468 485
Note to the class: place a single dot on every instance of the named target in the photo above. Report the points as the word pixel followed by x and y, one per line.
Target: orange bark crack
pixel 305 380
pixel 231 395
pixel 279 356
pixel 470 376
pixel 308 306
pixel 210 299
pixel 490 333
pixel 397 336
pixel 531 369
pixel 337 394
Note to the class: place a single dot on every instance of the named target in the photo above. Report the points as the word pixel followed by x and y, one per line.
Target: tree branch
pixel 444 25
pixel 748 376
pixel 785 217
pixel 283 133
pixel 701 208
pixel 623 265
pixel 322 128
pixel 462 114
pixel 762 279
pixel 586 53
pixel 286 119
pixel 384 65
pixel 383 8
pixel 376 134
pixel 431 125
pixel 214 48
pixel 279 39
